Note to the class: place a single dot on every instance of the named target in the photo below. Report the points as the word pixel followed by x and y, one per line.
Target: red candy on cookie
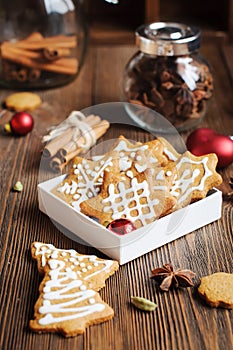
pixel 121 226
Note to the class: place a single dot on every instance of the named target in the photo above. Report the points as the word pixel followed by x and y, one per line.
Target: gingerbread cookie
pixel 97 275
pixel 141 199
pixel 124 182
pixel 86 176
pixel 23 101
pixel 86 179
pixel 217 289
pixel 195 177
pixel 68 301
pixel 152 151
pixel 150 157
pixel 168 150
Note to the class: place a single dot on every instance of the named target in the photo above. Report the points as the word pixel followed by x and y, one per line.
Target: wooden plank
pixel 182 320
pixel 230 20
pixel 152 11
pixel 102 34
pixel 220 110
pixel 228 56
pixel 111 61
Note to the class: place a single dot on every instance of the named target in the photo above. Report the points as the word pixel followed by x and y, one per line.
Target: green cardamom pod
pixel 143 304
pixel 18 186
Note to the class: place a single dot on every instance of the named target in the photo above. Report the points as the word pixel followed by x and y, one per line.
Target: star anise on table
pixel 167 277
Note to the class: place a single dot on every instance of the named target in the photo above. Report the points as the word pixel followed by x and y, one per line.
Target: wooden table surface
pixel 181 320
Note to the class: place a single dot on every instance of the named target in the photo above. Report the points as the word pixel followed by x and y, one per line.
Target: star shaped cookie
pixel 195 177
pixel 86 179
pixel 127 150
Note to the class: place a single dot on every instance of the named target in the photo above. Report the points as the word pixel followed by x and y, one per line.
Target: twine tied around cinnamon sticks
pixel 76 134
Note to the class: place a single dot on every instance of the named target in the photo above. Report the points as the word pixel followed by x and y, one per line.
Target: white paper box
pixel 132 245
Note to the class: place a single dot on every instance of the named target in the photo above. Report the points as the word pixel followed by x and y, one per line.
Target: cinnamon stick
pixel 58 162
pixel 6 46
pixel 40 53
pixel 34 75
pixel 51 53
pixel 53 146
pixel 61 65
pixel 72 145
pixel 60 141
pixel 72 148
pixel 22 75
pixel 34 36
pixel 61 41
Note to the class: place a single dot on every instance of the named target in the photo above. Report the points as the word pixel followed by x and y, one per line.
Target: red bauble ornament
pixel 121 226
pixel 20 124
pixel 205 140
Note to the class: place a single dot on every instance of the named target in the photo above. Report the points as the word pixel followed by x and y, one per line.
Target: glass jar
pixel 43 42
pixel 168 75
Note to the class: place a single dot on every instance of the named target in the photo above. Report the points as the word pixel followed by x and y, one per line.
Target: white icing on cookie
pixel 127 196
pixel 61 294
pixel 184 185
pixel 160 175
pixel 170 155
pixel 66 291
pixel 127 153
pixel 122 146
pixel 125 163
pixel 73 257
pixel 129 173
pixel 140 168
pixel 88 182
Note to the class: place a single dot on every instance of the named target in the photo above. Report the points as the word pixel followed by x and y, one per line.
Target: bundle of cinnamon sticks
pixel 67 141
pixel 24 60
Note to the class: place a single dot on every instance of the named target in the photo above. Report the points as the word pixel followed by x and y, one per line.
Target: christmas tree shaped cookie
pixel 68 301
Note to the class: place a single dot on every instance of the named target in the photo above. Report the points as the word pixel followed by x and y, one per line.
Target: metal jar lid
pixel 167 39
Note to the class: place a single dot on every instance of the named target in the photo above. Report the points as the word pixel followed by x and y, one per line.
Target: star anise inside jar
pixel 167 277
pixel 157 83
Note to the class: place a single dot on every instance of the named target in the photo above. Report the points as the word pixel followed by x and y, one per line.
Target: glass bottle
pixel 43 42
pixel 168 74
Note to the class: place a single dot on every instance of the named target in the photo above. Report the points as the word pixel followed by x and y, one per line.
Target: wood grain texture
pixel 152 11
pixel 115 24
pixel 230 21
pixel 182 320
pixel 228 54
